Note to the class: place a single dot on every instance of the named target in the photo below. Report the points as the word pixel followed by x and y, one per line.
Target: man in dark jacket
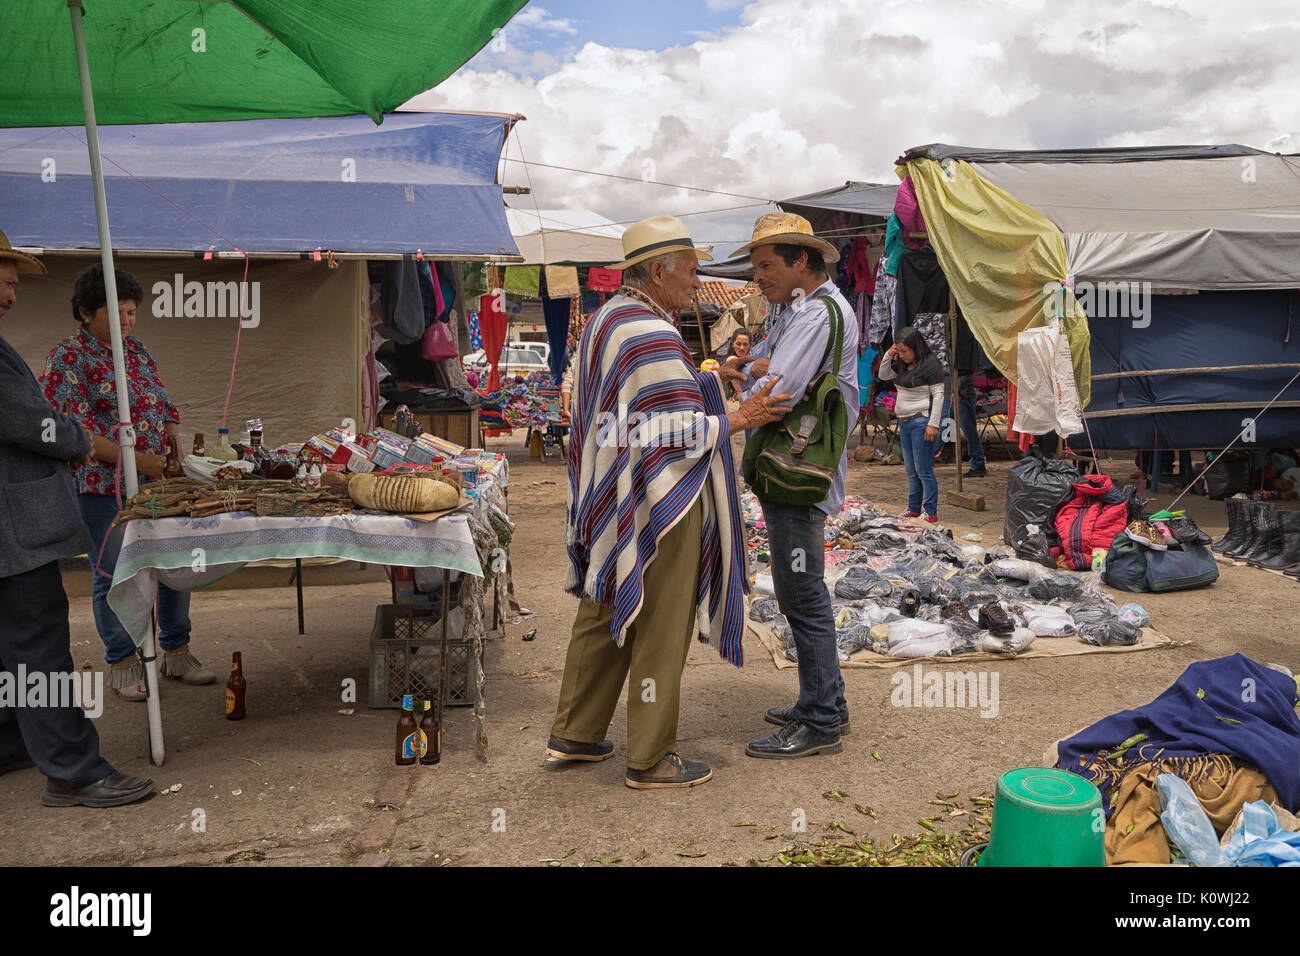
pixel 40 523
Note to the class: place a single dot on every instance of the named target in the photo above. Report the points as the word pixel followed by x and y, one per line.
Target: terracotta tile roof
pixel 723 295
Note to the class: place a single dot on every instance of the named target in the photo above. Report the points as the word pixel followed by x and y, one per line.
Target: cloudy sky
pixel 768 99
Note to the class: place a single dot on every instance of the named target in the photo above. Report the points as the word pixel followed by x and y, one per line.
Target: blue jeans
pixel 918 462
pixel 796 543
pixel 969 429
pixel 98 512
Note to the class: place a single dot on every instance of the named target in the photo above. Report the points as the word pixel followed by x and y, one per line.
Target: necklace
pixel 644 299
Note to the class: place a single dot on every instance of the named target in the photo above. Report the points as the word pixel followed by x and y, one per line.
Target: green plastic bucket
pixel 1046 817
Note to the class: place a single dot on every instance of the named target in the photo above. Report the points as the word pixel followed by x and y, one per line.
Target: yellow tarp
pixel 1004 260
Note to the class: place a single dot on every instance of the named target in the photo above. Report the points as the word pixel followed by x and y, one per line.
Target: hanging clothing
pixel 555 312
pixel 403 303
pixel 881 329
pixel 894 247
pixel 493 323
pixel 858 267
pixel 923 300
pixel 909 215
pixel 524 281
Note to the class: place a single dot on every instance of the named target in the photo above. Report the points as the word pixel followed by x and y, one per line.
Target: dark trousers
pixel 798 553
pixel 61 741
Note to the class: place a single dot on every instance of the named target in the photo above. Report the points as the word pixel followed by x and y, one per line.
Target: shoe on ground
pixel 199 677
pixel 976 473
pixel 795 739
pixel 1144 532
pixel 783 715
pixel 910 514
pixel 180 664
pixel 115 790
pixel 134 692
pixel 1185 531
pixel 930 519
pixel 571 750
pixel 670 772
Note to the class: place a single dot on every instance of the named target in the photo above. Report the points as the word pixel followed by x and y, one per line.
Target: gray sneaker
pixel 672 771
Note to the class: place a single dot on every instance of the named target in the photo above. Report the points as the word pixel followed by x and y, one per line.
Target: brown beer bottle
pixel 430 736
pixel 200 446
pixel 172 467
pixel 407 732
pixel 235 689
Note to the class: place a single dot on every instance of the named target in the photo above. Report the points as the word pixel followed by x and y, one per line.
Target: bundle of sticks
pixel 172 497
pixel 294 503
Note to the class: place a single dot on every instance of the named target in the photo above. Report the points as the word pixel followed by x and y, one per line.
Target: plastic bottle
pixel 313 476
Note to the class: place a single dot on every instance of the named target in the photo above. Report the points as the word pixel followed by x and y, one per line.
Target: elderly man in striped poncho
pixel 654 537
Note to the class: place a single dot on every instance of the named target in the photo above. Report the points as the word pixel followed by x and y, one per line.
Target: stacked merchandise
pixel 531 402
pixel 904 590
pixel 1205 767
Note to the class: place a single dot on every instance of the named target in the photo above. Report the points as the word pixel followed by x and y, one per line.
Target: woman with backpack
pixel 919 378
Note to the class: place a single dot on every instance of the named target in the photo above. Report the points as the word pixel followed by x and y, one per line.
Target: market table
pixel 188 553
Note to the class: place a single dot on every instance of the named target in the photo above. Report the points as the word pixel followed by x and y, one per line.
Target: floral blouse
pixel 79 373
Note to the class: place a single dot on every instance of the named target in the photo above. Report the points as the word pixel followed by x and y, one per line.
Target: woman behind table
pixel 78 380
pixel 919 379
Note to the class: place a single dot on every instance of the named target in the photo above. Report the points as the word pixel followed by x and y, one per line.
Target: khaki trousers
pixel 654 650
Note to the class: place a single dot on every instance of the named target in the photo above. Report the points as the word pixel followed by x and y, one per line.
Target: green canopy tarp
pixel 172 61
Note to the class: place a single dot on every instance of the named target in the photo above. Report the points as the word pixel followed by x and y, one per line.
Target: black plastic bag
pixel 1036 489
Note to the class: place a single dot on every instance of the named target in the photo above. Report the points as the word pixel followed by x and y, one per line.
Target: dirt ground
pixel 298 782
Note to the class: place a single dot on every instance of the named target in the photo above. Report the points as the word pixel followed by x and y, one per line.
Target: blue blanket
pixel 1230 705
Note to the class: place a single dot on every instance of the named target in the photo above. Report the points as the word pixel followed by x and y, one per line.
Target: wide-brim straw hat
pixel 656 236
pixel 28 265
pixel 787 229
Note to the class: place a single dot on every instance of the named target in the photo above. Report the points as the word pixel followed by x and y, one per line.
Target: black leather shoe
pixel 976 473
pixel 795 739
pixel 569 750
pixel 783 715
pixel 115 790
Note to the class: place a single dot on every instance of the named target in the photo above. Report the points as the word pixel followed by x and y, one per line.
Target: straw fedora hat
pixel 26 264
pixel 785 228
pixel 656 236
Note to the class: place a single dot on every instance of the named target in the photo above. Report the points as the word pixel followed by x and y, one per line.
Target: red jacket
pixel 1091 519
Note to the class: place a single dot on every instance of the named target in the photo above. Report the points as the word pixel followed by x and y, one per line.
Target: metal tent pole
pixel 125 432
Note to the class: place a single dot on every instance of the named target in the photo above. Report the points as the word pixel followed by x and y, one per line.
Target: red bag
pixel 604 280
pixel 439 342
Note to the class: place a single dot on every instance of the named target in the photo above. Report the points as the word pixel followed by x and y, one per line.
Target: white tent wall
pixel 299 369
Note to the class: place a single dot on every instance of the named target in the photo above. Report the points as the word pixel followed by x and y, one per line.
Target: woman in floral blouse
pixel 78 381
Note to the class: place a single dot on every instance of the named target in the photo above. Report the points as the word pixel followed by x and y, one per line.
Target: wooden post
pixel 954 383
pixel 699 322
pixel 959 497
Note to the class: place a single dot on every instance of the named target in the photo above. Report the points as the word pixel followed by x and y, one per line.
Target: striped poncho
pixel 650 438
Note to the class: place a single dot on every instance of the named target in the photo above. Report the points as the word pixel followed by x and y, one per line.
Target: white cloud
pixel 539 18
pixel 806 94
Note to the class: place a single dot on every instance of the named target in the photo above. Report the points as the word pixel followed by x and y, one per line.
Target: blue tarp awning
pixel 421 182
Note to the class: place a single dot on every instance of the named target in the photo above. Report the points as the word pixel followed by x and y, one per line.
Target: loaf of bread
pixel 402 494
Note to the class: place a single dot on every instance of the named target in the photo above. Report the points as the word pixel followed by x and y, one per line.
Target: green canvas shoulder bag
pixel 794 461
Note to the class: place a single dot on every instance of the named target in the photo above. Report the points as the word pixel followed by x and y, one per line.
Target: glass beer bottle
pixel 430 736
pixel 407 732
pixel 236 688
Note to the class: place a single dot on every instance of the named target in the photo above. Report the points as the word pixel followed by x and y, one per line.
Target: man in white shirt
pixel 790 269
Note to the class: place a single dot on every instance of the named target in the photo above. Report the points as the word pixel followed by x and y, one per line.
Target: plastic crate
pixel 404 653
